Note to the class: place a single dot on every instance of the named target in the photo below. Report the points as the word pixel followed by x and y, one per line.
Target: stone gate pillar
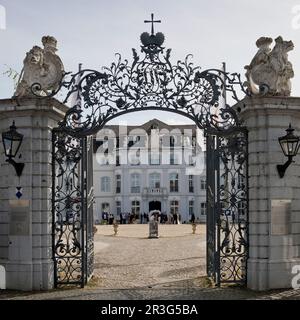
pixel 274 203
pixel 26 225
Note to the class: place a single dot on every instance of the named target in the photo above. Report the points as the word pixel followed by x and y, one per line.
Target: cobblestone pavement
pixel 130 266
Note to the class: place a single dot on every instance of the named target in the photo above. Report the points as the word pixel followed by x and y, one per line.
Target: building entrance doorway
pixel 154 205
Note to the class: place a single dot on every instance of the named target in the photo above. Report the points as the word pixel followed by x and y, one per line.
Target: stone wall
pixel 274 203
pixel 26 253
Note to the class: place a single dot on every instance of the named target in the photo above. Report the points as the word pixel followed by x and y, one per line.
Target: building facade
pixel 154 166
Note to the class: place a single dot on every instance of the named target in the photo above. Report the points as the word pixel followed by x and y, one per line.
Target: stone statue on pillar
pixel 42 72
pixel 270 70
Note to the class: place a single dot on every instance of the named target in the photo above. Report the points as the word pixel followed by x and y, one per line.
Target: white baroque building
pixel 153 166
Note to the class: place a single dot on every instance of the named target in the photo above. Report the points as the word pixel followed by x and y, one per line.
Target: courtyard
pixel 131 260
pixel 130 266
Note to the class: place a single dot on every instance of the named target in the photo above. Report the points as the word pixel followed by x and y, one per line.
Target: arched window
pixel 174 181
pixel 105 184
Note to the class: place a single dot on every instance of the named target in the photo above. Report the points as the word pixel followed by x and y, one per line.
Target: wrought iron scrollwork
pixel 233 205
pixel 149 82
pixel 72 209
pixel 227 206
pixel 67 208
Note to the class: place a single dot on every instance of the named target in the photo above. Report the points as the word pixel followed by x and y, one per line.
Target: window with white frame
pixel 118 208
pixel 174 207
pixel 191 207
pixel 154 180
pixel 105 207
pixel 135 183
pixel 135 207
pixel 118 183
pixel 203 208
pixel 203 184
pixel 174 182
pixel 105 184
pixel 191 183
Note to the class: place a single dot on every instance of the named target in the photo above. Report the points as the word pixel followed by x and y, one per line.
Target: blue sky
pixel 91 32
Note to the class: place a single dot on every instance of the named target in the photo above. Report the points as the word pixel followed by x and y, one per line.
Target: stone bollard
pixel 194 226
pixel 115 226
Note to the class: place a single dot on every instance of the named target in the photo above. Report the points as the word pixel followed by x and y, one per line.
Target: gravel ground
pixel 130 266
pixel 131 260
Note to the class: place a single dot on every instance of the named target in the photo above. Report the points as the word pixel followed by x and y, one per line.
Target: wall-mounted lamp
pixel 290 146
pixel 12 141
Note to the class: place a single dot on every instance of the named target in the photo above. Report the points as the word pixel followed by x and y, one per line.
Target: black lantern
pixel 290 146
pixel 12 141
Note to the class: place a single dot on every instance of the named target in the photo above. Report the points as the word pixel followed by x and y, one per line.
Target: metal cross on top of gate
pixel 152 21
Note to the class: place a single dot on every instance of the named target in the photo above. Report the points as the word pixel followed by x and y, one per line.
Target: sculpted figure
pixel 270 71
pixel 42 67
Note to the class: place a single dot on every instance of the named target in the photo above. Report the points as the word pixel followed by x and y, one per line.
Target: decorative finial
pixel 152 21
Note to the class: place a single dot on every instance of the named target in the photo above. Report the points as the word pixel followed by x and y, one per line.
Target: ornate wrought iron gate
pixel 150 82
pixel 227 206
pixel 72 207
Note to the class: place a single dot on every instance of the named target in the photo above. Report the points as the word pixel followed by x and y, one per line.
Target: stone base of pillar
pixel 274 202
pixel 266 275
pixel 26 228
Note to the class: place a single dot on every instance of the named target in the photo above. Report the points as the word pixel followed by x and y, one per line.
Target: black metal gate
pixel 72 208
pixel 227 205
pixel 150 82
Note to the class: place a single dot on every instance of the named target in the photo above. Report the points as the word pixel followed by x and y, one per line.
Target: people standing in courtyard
pixel 123 217
pixel 193 218
pixel 105 217
pixel 131 218
pixel 110 218
pixel 175 218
